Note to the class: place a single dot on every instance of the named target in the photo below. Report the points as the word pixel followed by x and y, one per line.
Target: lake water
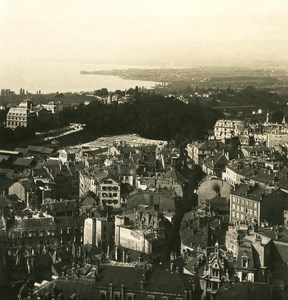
pixel 62 77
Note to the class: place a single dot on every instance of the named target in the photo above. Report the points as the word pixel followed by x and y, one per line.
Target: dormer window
pixel 245 262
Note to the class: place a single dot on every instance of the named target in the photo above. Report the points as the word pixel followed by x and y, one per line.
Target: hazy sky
pixel 144 32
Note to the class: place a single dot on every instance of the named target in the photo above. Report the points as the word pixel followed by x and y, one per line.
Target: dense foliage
pixel 150 116
pixel 16 136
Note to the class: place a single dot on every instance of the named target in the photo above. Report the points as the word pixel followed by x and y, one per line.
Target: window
pixel 255 205
pixel 116 296
pixel 151 297
pixel 130 296
pixel 245 263
pixel 102 295
pixel 233 206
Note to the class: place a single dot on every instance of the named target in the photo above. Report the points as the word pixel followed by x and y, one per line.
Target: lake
pixel 63 77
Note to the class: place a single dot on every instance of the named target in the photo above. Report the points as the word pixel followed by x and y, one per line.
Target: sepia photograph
pixel 143 150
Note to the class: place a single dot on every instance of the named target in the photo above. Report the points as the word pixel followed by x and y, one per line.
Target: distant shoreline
pixel 222 77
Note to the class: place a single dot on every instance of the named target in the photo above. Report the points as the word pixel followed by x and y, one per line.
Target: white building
pixel 225 129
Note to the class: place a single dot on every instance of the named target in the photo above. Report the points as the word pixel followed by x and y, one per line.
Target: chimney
pixel 186 295
pixel 258 239
pixel 172 266
pixel 142 284
pixel 122 291
pixel 111 290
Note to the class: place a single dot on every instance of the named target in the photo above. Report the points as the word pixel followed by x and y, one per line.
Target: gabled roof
pixel 175 175
pixel 217 159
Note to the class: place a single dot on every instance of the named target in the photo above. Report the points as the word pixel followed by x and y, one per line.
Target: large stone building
pixel 23 115
pixel 26 114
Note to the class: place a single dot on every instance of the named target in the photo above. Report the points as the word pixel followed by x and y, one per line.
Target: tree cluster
pixel 151 116
pixel 16 136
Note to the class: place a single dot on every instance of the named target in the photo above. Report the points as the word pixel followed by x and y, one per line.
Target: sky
pixel 145 32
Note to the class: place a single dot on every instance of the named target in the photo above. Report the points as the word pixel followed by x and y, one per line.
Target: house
pixel 214 165
pixel 25 190
pixel 172 180
pixel 214 275
pixel 199 151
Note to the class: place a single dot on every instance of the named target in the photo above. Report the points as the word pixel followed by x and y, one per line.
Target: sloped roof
pixel 34 223
pixel 24 162
pixel 282 249
pixel 175 175
pixel 217 159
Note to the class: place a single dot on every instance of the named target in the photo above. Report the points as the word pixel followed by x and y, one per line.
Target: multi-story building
pixel 212 277
pixel 146 234
pixel 23 115
pixel 199 151
pixel 109 192
pixel 225 129
pixel 256 151
pixel 122 281
pixel 262 171
pixel 215 165
pixel 98 231
pixel 252 204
